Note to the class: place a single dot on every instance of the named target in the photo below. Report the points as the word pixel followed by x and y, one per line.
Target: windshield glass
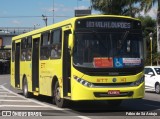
pixel 107 49
pixel 157 71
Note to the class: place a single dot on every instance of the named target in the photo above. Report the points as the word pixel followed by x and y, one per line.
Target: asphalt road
pixel 13 103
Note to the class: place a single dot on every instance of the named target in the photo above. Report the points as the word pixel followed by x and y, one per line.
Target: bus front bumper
pixel 80 92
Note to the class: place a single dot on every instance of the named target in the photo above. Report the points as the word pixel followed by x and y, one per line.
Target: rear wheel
pixel 25 88
pixel 157 88
pixel 60 102
pixel 114 102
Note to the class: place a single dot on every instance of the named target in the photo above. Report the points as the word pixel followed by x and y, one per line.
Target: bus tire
pixel 25 88
pixel 114 102
pixel 157 88
pixel 60 102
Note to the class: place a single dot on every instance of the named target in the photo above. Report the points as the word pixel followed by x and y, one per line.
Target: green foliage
pixel 148 26
pixel 117 7
pixel 146 5
pixel 124 7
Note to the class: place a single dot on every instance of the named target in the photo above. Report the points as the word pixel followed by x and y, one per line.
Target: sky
pixel 27 13
pixel 63 9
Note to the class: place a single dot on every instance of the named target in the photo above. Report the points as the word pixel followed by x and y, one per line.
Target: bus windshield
pixel 95 49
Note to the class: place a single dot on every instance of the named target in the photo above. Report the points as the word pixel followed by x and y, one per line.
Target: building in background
pixel 6 34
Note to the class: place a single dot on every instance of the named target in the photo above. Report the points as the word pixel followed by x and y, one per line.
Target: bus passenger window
pixel 56 37
pixel 45 42
pixel 55 52
pixel 45 39
pixel 29 42
pixel 23 56
pixel 55 44
pixel 23 49
pixel 28 55
pixel 44 53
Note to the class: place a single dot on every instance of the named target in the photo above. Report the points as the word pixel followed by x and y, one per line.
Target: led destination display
pixel 108 24
pixel 105 23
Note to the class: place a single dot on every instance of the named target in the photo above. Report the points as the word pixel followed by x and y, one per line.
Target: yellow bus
pixel 96 57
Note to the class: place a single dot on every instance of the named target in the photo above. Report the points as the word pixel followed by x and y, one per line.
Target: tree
pixel 146 5
pixel 131 8
pixel 108 6
pixel 148 26
pixel 117 7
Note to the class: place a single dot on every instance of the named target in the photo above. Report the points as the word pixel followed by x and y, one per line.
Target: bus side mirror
pixel 151 74
pixel 70 43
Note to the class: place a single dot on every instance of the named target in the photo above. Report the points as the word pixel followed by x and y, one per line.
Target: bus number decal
pixel 43 65
pixel 123 80
pixel 101 80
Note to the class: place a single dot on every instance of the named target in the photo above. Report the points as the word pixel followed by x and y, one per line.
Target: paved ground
pixel 12 102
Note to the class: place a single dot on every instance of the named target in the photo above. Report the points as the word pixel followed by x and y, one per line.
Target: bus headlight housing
pixel 138 82
pixel 83 82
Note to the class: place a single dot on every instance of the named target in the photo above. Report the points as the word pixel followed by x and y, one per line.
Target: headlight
pixel 138 82
pixel 83 82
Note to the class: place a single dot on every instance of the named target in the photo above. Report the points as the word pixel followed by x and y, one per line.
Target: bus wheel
pixel 25 88
pixel 60 102
pixel 114 102
pixel 157 88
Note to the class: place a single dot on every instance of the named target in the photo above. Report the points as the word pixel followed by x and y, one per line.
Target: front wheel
pixel 60 102
pixel 157 88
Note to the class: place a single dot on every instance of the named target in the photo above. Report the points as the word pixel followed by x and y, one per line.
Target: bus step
pixel 35 93
pixel 67 97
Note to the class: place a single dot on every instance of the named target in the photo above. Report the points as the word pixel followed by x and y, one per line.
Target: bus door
pixel 66 64
pixel 35 64
pixel 17 65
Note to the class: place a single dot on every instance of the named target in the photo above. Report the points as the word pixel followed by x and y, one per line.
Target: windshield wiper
pixel 124 38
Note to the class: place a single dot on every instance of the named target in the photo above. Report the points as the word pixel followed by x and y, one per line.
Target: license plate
pixel 113 92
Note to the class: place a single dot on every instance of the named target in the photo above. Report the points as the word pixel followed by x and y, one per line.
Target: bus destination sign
pixel 108 24
pixel 105 23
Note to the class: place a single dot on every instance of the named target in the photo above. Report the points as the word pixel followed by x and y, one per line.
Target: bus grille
pixel 122 94
pixel 128 84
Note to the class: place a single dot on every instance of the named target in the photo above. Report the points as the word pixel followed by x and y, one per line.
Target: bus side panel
pixel 12 70
pixel 12 74
pixel 25 70
pixel 28 68
pixel 45 77
pixel 49 69
pixel 22 72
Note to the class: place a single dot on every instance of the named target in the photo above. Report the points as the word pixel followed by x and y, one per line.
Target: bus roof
pixel 66 22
